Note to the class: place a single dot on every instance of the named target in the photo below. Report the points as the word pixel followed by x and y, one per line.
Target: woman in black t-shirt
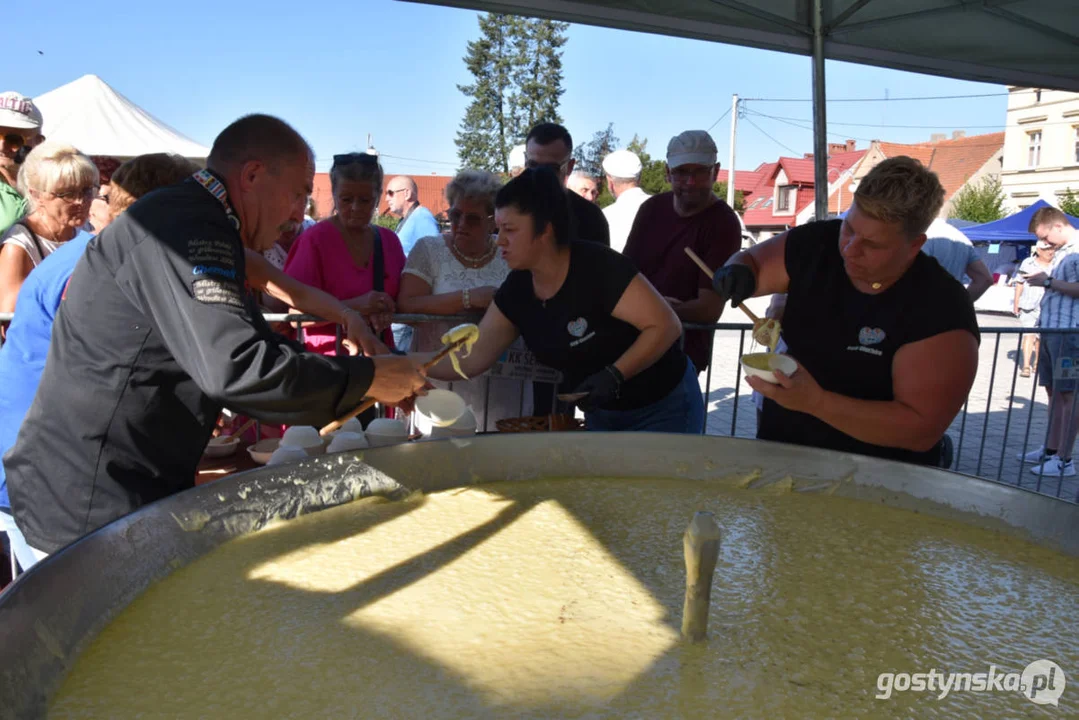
pixel 886 340
pixel 584 310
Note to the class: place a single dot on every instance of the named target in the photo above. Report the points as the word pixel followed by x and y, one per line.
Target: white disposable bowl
pixel 220 447
pixel 386 431
pixel 285 454
pixel 465 425
pixel 351 425
pixel 305 437
pixel 343 441
pixel 441 408
pixel 775 361
pixel 261 451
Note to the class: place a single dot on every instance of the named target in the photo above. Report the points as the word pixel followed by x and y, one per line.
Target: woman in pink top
pixel 339 255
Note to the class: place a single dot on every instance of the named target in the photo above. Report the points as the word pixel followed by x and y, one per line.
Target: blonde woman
pixel 59 183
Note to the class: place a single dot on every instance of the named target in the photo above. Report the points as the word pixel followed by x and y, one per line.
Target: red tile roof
pixel 800 173
pixel 432 189
pixel 954 161
pixel 744 180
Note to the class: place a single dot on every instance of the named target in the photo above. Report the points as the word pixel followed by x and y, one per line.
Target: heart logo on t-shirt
pixel 870 336
pixel 577 328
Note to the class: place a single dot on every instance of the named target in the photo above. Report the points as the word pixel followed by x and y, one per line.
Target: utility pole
pixel 730 158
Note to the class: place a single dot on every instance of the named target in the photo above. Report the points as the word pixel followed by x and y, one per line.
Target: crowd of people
pixel 139 290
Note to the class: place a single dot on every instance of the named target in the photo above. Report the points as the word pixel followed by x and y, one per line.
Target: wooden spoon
pixel 762 328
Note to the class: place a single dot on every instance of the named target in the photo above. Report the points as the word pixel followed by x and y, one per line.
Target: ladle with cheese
pixel 765 330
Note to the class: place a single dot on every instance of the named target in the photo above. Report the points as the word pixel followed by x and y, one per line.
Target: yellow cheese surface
pixel 562 598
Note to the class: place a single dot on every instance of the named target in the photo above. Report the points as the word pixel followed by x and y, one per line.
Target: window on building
pixel 785 198
pixel 1075 131
pixel 1034 148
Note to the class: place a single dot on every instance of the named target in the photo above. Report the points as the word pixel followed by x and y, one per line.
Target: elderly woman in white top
pixel 459 272
pixel 59 183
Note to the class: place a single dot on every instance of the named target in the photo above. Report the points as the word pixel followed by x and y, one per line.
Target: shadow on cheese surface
pixel 562 598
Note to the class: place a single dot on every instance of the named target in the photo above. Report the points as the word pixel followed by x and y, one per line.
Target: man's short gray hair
pixel 474 185
pixel 264 138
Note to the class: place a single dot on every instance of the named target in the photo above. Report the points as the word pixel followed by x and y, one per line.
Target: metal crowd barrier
pixel 1004 415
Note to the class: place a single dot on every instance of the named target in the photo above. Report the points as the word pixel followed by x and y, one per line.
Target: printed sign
pixel 522 365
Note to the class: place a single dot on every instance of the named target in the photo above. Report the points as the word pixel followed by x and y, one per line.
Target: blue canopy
pixel 1010 229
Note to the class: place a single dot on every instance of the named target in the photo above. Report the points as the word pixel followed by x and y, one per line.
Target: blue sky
pixel 339 70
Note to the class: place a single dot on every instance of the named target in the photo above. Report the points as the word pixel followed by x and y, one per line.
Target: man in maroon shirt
pixel 690 215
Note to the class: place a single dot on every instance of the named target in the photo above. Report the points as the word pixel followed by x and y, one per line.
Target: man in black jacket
pixel 158 331
pixel 550 145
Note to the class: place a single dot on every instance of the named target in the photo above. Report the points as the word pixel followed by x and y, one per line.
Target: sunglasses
pixel 355 159
pixel 14 140
pixel 391 193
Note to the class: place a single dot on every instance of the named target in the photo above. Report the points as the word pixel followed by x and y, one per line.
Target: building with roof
pixel 432 190
pixel 959 160
pixel 783 196
pixel 1041 147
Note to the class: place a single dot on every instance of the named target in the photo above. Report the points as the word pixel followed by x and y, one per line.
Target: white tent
pixel 96 119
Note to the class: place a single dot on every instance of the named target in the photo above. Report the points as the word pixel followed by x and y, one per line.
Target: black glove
pixel 603 388
pixel 734 282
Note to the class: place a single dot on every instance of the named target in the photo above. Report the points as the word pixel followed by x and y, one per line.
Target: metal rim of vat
pixel 53 611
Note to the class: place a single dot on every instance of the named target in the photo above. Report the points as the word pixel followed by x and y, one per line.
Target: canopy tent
pixel 1010 229
pixel 90 115
pixel 1031 43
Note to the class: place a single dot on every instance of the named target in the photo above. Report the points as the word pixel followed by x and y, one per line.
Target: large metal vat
pixel 48 617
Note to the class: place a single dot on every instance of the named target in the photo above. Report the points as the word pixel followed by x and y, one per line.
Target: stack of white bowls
pixel 385 431
pixel 304 437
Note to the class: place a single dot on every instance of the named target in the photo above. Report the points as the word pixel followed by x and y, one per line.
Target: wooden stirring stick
pixel 369 403
pixel 701 549
pixel 708 271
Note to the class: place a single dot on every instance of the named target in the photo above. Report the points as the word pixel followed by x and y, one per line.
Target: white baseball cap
pixel 622 164
pixel 18 111
pixel 517 157
pixel 693 147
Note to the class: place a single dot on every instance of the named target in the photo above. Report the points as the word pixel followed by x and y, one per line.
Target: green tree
pixel 590 155
pixel 979 202
pixel 388 221
pixel 1069 203
pixel 516 67
pixel 537 72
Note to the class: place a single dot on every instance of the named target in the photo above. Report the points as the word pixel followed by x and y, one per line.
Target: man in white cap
pixel 623 170
pixel 688 216
pixel 517 160
pixel 20 130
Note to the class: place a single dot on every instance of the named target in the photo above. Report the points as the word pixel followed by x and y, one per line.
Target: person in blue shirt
pixel 22 360
pixel 402 200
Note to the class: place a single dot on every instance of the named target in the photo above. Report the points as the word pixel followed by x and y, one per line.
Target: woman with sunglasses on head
pixel 459 272
pixel 59 183
pixel 347 255
pixel 584 310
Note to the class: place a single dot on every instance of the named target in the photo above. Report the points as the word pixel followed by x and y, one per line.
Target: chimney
pixel 834 148
pixel 938 137
pixel 850 145
pixel 959 134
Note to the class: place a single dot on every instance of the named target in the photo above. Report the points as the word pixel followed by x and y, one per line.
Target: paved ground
pixel 1003 417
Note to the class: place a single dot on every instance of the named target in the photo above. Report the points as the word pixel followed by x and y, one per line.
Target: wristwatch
pixel 1048 282
pixel 466 299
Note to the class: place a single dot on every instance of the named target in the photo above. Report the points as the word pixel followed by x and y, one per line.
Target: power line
pixel 809 128
pixel 717 122
pixel 875 125
pixel 890 99
pixel 419 160
pixel 762 132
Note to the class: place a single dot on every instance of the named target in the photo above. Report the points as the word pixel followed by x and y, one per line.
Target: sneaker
pixel 1032 456
pixel 1055 467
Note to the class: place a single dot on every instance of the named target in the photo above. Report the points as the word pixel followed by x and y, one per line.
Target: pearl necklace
pixel 470 261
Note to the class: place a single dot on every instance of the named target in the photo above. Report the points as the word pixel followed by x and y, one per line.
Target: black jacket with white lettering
pixel 156 333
